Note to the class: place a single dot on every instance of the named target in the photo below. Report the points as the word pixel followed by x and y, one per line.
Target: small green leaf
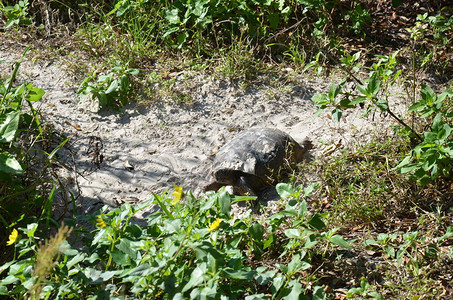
pixel 285 190
pixel 316 222
pixel 297 264
pixel 113 87
pixel 293 233
pixel 374 85
pixel 427 93
pixel 35 94
pixel 296 290
pixel 172 16
pixel 239 274
pixel 196 277
pixel 8 127
pixel 334 91
pixel 309 189
pixel 224 199
pixel 337 113
pixel 382 105
pixel 9 164
pixel 339 240
pixel 256 231
pixel 318 293
pixel 357 100
pixel 320 99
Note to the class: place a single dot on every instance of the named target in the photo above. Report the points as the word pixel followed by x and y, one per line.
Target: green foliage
pixel 23 192
pixel 194 249
pixel 112 89
pixel 16 14
pixel 433 156
pixel 364 290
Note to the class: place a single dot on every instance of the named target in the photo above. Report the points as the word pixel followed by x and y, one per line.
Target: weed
pixel 26 155
pixel 186 249
pixel 432 155
pixel 112 90
pixel 16 14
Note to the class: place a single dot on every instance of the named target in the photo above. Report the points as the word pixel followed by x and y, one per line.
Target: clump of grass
pixel 362 186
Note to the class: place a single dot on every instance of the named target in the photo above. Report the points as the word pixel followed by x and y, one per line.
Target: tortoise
pixel 251 160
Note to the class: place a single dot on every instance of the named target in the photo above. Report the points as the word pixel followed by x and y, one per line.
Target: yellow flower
pixel 215 224
pixel 177 194
pixel 12 237
pixel 100 222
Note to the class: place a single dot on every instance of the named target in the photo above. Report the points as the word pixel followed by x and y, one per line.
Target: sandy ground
pixel 148 149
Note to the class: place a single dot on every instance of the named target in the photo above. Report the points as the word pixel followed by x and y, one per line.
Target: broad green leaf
pixel 363 90
pixel 269 241
pixel 316 222
pixel 113 87
pixel 310 242
pixel 428 94
pixel 337 113
pixel 320 99
pixel 293 233
pixel 9 164
pixel 75 260
pixel 96 276
pixel 357 100
pixel 264 277
pixel 318 293
pixel 196 277
pixel 8 127
pixel 206 205
pixel 374 85
pixel 125 245
pixel 224 199
pixel 285 190
pixel 382 105
pixel 339 240
pixel 277 283
pixel 417 106
pixel 256 231
pixel 239 274
pixel 134 72
pixel 296 290
pixel 297 264
pixel 31 229
pixel 257 297
pixel 182 38
pixel 35 94
pixel 4 289
pixel 309 189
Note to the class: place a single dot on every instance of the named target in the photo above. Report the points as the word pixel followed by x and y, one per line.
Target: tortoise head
pixel 227 176
pixel 299 152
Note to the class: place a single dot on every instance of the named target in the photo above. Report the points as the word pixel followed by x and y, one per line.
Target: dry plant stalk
pixel 45 259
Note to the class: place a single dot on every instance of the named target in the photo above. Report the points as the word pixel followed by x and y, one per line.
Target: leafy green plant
pixel 112 89
pixel 16 14
pixel 432 157
pixel 365 290
pixel 24 189
pixel 192 249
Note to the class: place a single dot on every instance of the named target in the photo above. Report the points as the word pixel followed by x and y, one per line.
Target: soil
pixel 114 158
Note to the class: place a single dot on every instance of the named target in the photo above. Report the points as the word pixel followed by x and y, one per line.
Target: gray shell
pixel 259 152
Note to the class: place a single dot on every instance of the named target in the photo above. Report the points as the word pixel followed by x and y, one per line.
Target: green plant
pixel 365 290
pixel 192 249
pixel 24 144
pixel 112 89
pixel 432 157
pixel 16 14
